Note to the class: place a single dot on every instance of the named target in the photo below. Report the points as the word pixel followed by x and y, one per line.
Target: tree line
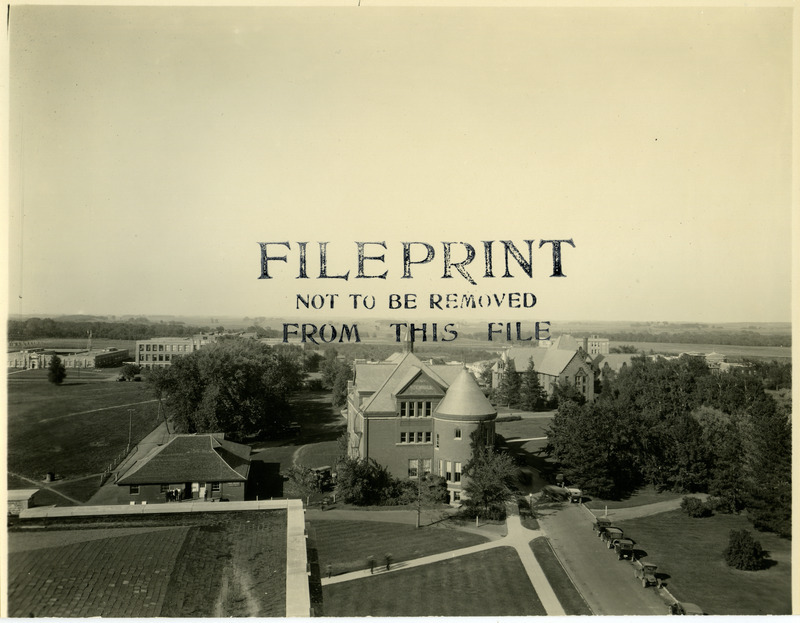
pixel 730 338
pixel 676 425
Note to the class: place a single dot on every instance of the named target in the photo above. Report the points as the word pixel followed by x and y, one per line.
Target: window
pixel 420 410
pixel 437 440
pixel 215 487
pixel 428 408
pixel 457 472
pixel 456 496
pixel 403 409
pixel 427 436
pixel 426 467
pixel 402 437
pixel 419 436
pixel 164 488
pixel 134 490
pixel 413 468
pixel 448 476
pixel 441 471
pixel 160 347
pixel 457 433
pixel 148 348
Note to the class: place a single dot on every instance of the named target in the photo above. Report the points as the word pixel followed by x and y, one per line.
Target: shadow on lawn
pixel 265 481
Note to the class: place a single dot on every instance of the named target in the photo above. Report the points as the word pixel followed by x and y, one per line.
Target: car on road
pixel 646 572
pixel 575 494
pixel 611 535
pixel 624 549
pixel 600 525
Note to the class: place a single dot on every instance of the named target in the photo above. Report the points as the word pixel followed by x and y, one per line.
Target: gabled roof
pixel 383 382
pixel 551 361
pixel 615 361
pixel 191 458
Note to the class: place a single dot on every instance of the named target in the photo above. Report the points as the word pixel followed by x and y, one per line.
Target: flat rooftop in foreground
pixel 243 559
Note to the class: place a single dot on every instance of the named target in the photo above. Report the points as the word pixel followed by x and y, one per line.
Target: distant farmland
pixel 732 352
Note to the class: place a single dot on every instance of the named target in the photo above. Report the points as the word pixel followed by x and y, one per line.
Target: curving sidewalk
pixel 517 536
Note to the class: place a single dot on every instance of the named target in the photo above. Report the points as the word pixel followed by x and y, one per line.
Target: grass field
pixel 568 596
pixel 491 583
pixel 75 429
pixel 689 552
pixel 346 545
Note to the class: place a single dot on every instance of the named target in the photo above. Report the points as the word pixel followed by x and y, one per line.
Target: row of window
pixel 166 357
pixel 165 347
pixel 416 437
pixel 449 470
pixel 215 488
pixel 416 408
pixel 424 436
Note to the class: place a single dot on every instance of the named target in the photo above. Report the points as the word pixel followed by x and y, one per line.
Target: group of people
pixel 174 495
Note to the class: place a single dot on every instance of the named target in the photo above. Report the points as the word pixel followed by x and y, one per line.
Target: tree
pixel 489 476
pixel 56 372
pixel 362 482
pixel 508 391
pixel 305 480
pixel 743 551
pixel 130 370
pixel 532 396
pixel 239 387
pixel 335 375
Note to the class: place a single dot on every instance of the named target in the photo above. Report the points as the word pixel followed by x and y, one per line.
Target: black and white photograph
pixel 375 310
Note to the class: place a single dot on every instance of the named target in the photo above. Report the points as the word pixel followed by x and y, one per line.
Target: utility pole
pixel 130 429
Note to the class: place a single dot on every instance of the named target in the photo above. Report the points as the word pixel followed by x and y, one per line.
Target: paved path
pixel 634 512
pixel 607 584
pixel 130 404
pixel 517 536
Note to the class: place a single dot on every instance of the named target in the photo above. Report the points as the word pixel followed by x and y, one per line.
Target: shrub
pixel 695 507
pixel 744 552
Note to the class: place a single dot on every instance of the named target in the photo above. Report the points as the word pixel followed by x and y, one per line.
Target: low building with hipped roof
pixel 188 467
pixel 416 418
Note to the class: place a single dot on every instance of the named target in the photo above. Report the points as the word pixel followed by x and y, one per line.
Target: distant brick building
pixel 160 352
pixel 564 361
pixel 196 467
pixel 40 358
pixel 416 418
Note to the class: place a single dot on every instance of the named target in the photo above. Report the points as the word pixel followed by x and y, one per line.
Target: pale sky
pixel 152 149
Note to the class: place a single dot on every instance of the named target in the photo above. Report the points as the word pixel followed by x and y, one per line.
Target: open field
pixel 491 583
pixel 346 545
pixel 187 565
pixel 733 353
pixel 75 429
pixel 688 553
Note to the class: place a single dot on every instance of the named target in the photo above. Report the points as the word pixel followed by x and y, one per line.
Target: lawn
pixel 187 565
pixel 491 583
pixel 50 431
pixel 346 545
pixel 640 497
pixel 689 552
pixel 568 596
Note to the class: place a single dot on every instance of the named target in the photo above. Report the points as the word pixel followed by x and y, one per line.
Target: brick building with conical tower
pixel 417 418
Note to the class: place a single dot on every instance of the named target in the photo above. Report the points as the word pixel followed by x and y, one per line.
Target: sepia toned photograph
pixel 377 311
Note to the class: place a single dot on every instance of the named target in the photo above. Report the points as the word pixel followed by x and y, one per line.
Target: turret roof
pixel 464 399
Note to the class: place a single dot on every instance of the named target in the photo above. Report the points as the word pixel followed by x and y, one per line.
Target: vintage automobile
pixel 624 549
pixel 555 494
pixel 575 494
pixel 610 536
pixel 685 608
pixel 601 524
pixel 646 572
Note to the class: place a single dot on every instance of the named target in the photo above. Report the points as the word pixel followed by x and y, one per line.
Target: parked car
pixel 685 608
pixel 575 494
pixel 601 524
pixel 610 535
pixel 646 572
pixel 624 549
